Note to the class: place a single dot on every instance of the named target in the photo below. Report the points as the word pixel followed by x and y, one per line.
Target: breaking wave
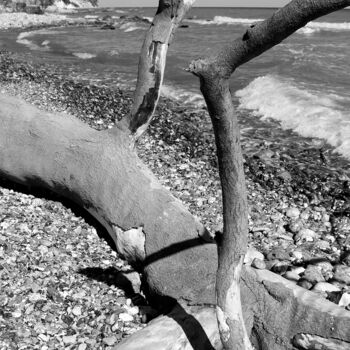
pixel 308 113
pixel 84 55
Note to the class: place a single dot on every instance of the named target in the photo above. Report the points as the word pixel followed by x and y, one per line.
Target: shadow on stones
pixel 53 196
pixel 113 277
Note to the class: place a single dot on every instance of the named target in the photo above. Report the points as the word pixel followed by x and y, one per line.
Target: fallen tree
pixel 151 229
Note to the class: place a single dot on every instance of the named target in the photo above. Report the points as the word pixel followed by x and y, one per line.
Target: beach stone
pixel 325 287
pixel 305 235
pixel 82 346
pixel 252 254
pixel 110 340
pixel 345 300
pixel 292 276
pixel 293 213
pixel 296 226
pixel 297 269
pixel 324 266
pixel 69 339
pixel 125 317
pixel 304 283
pixel 280 267
pixel 323 245
pixel 342 274
pixel 277 254
pixel 259 264
pixel 313 274
pixel 297 255
pixel 346 259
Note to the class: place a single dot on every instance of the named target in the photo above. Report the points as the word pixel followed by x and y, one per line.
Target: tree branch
pixel 152 64
pixel 214 73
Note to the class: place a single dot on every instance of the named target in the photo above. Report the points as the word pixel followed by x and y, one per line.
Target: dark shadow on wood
pixel 173 249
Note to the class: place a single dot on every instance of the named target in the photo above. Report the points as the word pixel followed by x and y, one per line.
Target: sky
pixel 204 3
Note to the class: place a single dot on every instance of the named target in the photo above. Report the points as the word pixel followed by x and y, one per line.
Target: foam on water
pixel 306 112
pixel 184 96
pixel 22 39
pixel 130 27
pixel 219 20
pixel 310 28
pixel 84 55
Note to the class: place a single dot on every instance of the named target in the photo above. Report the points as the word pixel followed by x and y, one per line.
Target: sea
pixel 303 83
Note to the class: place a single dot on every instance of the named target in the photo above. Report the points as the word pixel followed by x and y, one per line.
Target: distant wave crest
pixel 310 28
pixel 308 113
pixel 219 20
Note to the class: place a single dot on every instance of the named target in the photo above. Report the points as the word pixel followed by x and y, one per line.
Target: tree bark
pixel 214 74
pixel 101 173
pixel 152 64
pixel 279 316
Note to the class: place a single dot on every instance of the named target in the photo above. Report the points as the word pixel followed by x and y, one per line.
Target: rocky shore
pixel 298 190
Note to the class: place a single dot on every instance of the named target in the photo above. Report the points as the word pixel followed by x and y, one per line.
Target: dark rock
pixel 277 254
pixel 304 283
pixel 35 10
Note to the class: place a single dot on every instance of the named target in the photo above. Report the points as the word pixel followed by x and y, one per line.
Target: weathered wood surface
pixel 101 173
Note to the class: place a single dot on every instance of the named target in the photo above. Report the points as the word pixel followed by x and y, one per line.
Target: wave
pixel 310 28
pixel 184 96
pixel 84 55
pixel 308 113
pixel 130 27
pixel 22 39
pixel 219 20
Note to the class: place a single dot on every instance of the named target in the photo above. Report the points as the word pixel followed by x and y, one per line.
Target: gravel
pixel 59 279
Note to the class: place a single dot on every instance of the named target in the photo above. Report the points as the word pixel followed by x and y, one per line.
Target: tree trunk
pixel 101 173
pixel 214 74
pixel 152 230
pixel 278 314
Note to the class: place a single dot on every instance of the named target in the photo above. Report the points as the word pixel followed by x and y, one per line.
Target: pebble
pixel 110 340
pixel 323 245
pixel 293 213
pixel 345 300
pixel 296 226
pixel 304 283
pixel 280 267
pixel 325 287
pixel 252 254
pixel 277 254
pixel 76 310
pixel 292 276
pixel 298 269
pixel 342 274
pixel 82 346
pixel 69 339
pixel 259 264
pixel 125 317
pixel 313 274
pixel 305 235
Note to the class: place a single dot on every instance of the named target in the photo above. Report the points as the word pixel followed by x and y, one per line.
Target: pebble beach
pixel 61 284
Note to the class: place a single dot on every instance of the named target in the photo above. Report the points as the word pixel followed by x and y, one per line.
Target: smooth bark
pixel 152 64
pixel 214 73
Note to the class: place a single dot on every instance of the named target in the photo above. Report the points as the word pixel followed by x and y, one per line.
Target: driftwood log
pixel 152 230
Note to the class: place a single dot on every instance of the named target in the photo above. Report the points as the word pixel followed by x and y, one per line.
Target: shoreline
pixel 295 187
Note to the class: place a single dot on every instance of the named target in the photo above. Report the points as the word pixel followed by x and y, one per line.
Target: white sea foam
pixel 308 113
pixel 84 55
pixel 183 96
pixel 22 39
pixel 310 28
pixel 130 27
pixel 219 20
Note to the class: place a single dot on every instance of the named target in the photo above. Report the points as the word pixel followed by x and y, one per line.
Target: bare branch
pixel 152 64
